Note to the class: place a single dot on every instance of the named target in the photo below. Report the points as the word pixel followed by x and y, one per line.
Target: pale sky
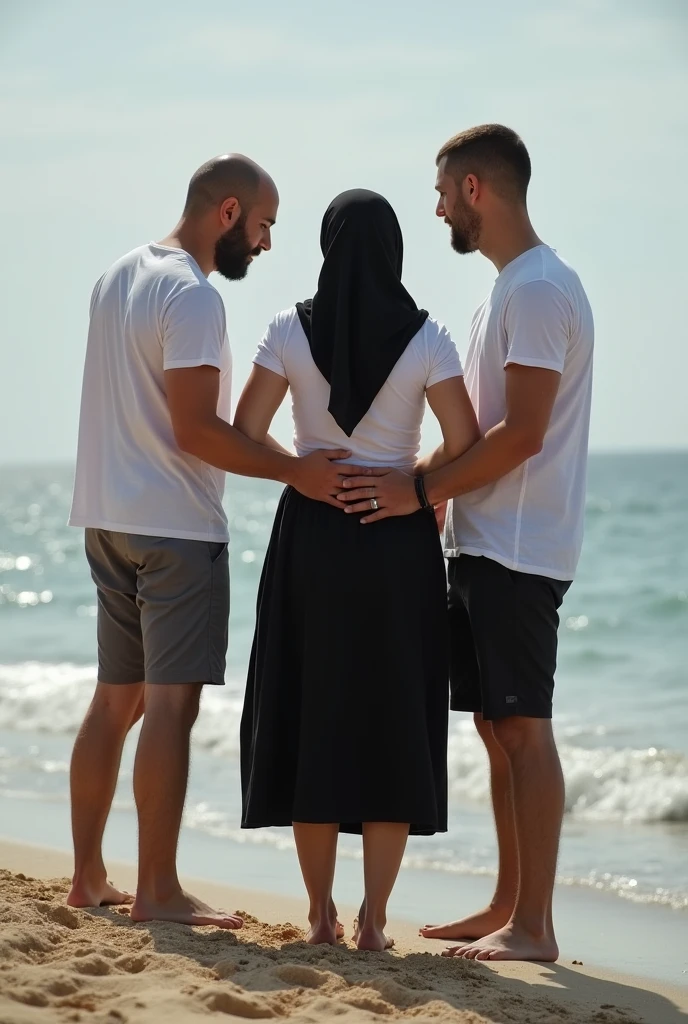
pixel 107 109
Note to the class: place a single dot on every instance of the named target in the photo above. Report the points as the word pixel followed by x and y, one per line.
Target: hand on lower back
pixel 320 476
pixel 392 490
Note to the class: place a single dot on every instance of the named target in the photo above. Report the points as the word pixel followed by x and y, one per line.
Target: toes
pixel 469 952
pixel 484 954
pixel 452 951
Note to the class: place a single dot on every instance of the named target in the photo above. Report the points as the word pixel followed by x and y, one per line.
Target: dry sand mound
pixel 59 964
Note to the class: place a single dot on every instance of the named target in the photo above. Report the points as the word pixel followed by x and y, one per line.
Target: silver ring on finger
pixel 374 505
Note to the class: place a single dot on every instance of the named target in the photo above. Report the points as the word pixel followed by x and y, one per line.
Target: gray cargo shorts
pixel 163 608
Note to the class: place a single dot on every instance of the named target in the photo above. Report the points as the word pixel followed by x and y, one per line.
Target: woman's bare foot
pixel 324 928
pixel 184 909
pixel 322 932
pixel 85 893
pixel 509 943
pixel 474 927
pixel 369 938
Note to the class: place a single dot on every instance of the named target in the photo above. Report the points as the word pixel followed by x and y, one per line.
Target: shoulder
pixel 285 320
pixel 547 278
pixel 538 297
pixel 432 333
pixel 282 326
pixel 434 338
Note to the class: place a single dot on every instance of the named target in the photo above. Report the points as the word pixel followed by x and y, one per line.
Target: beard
pixel 232 252
pixel 466 225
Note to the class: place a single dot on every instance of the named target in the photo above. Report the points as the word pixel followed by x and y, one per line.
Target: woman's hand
pixel 441 515
pixel 391 492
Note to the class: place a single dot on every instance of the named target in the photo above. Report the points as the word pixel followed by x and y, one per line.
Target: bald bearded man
pixel 155 443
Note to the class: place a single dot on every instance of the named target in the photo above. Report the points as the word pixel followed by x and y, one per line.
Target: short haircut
pixel 494 153
pixel 222 178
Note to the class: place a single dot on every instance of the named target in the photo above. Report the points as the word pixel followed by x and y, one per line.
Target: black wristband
pixel 419 484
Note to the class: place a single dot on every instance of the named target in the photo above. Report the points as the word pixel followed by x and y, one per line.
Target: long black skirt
pixel 346 707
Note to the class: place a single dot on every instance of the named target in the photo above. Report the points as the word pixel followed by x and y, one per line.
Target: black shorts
pixel 503 638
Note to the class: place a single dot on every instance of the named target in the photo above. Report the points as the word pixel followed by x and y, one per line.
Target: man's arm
pixel 530 395
pixel 192 396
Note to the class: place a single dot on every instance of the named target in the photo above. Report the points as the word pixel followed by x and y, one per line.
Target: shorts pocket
pixel 216 550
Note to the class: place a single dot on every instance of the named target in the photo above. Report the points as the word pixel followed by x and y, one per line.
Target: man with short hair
pixel 154 445
pixel 515 525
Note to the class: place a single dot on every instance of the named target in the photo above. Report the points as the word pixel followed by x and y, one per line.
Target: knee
pixel 176 702
pixel 117 707
pixel 484 729
pixel 515 733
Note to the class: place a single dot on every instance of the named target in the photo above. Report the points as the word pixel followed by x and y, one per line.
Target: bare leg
pixel 93 777
pixel 538 788
pixel 160 776
pixel 384 843
pixel 502 904
pixel 316 846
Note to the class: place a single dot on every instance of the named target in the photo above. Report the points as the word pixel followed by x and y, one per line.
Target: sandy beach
pixel 59 964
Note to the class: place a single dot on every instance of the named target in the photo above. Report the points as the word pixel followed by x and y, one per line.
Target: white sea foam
pixel 603 783
pixel 205 819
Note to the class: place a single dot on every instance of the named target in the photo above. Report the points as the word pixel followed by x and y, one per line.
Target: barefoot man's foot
pixel 474 927
pixel 100 894
pixel 184 909
pixel 509 943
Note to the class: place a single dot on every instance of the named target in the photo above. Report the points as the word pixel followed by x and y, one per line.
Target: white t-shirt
pixel 152 311
pixel 389 433
pixel 532 519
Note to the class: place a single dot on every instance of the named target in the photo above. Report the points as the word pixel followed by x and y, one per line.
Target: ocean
pixel 621 706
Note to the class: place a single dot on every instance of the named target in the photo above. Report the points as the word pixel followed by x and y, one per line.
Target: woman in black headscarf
pixel 345 716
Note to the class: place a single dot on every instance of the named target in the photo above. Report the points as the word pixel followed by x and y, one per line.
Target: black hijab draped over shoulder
pixel 361 318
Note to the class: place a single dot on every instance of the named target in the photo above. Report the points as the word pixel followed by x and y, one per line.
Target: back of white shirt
pixel 389 433
pixel 152 311
pixel 531 520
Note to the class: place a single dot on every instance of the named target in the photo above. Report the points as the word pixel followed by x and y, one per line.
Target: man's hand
pixel 318 476
pixel 393 491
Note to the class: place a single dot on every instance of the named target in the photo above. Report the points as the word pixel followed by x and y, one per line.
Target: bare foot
pixel 369 938
pixel 509 943
pixel 322 932
pixel 325 929
pixel 184 909
pixel 474 927
pixel 101 894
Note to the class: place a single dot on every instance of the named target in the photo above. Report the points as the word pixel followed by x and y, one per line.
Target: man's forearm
pixel 435 460
pixel 222 445
pixel 499 452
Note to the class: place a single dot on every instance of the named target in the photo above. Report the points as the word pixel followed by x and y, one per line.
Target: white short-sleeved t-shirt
pixel 531 520
pixel 153 310
pixel 389 433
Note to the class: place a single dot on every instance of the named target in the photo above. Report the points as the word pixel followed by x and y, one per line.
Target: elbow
pixel 252 431
pixel 527 445
pixel 240 424
pixel 187 438
pixel 455 450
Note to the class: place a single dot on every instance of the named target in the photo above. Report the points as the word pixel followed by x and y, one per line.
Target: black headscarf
pixel 361 318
